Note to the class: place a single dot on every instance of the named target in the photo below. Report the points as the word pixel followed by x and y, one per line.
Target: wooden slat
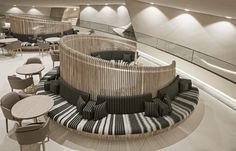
pixel 27 24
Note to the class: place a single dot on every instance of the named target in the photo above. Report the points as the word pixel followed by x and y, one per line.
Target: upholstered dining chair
pixel 43 46
pixel 33 60
pixel 54 57
pixel 20 84
pixel 17 47
pixel 7 102
pixel 2 47
pixel 33 133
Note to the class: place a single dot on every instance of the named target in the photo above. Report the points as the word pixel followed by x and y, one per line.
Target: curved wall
pixel 101 77
pixel 35 25
pixel 207 34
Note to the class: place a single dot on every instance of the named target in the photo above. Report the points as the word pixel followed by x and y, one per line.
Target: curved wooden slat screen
pixel 101 77
pixel 36 25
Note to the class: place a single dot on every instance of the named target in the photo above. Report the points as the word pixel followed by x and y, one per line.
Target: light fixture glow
pixel 33 6
pixel 228 17
pixel 187 10
pixel 106 4
pixel 75 9
pixel 14 5
pixel 87 4
pixel 151 3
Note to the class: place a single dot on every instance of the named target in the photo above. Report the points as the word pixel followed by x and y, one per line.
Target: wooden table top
pixel 8 40
pixel 32 107
pixel 29 69
pixel 53 39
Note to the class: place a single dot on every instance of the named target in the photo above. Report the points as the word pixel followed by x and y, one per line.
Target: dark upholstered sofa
pixel 119 119
pixel 70 32
pixel 71 94
pixel 125 55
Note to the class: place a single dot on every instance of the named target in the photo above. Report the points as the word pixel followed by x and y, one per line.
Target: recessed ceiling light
pixel 228 17
pixel 33 6
pixel 123 3
pixel 75 9
pixel 87 4
pixel 187 10
pixel 151 3
pixel 106 4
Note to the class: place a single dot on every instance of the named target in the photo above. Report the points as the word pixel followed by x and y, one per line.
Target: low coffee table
pixel 32 107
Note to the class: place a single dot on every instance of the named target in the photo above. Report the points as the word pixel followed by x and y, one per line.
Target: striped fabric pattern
pixel 120 124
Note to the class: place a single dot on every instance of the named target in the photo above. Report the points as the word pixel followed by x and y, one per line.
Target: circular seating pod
pixel 128 92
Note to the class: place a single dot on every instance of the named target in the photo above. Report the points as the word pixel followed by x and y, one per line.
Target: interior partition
pixel 102 77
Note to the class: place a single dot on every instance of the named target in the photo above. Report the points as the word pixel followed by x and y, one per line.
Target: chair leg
pixel 7 125
pixel 43 144
pixel 21 149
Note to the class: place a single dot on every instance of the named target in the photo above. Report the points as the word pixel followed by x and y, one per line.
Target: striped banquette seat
pixel 66 114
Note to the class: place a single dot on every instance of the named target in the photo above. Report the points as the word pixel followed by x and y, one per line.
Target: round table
pixel 32 107
pixel 30 69
pixel 83 33
pixel 8 40
pixel 53 40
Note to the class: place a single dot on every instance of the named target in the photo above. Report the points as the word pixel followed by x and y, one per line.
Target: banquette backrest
pixel 125 104
pixel 71 94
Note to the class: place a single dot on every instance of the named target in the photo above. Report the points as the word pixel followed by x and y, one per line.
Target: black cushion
pixel 127 57
pixel 52 77
pixel 88 110
pixel 69 32
pixel 184 85
pixel 47 85
pixel 172 89
pixel 80 105
pixel 151 109
pixel 71 94
pixel 100 111
pixel 164 109
pixel 167 100
pixel 54 86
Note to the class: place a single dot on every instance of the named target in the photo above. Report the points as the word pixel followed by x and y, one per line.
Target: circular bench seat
pixel 119 124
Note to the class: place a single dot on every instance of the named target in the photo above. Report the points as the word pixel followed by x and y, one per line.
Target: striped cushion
pixel 119 124
pixel 100 111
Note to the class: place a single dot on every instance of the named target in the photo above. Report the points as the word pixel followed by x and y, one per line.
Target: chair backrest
pixel 32 133
pixel 18 83
pixel 7 102
pixel 33 60
pixel 14 45
pixel 44 45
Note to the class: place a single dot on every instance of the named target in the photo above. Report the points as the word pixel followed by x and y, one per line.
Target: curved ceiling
pixel 213 7
pixel 59 3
